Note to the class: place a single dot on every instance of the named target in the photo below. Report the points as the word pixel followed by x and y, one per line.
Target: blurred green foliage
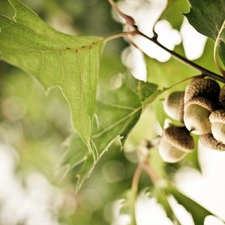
pixel 38 124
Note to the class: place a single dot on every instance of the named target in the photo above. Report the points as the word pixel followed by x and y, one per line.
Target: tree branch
pixel 182 59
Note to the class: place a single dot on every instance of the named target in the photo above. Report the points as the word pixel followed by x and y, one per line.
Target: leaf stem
pixel 119 35
pixel 215 48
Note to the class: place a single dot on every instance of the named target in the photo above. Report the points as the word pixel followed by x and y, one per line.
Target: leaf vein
pixel 115 124
pixel 62 68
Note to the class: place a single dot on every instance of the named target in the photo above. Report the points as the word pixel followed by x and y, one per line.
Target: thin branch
pixel 134 188
pixel 144 155
pixel 153 176
pixel 182 59
pixel 129 20
pixel 136 177
pixel 184 80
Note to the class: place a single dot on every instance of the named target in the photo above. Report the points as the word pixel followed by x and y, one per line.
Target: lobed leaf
pixel 118 111
pixel 54 59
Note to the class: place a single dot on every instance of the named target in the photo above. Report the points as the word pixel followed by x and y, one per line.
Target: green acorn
pixel 196 115
pixel 174 105
pixel 217 119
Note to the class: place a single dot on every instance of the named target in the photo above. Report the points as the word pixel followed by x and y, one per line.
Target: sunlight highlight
pixel 149 211
pixel 34 201
pixel 193 41
pixel 150 11
pixel 207 188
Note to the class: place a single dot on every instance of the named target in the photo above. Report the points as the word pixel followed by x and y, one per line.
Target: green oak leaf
pixel 54 59
pixel 117 111
pixel 207 17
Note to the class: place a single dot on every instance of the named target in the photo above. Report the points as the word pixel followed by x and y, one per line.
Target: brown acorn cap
pixel 202 87
pixel 208 141
pixel 217 116
pixel 222 94
pixel 222 97
pixel 174 105
pixel 179 137
pixel 203 102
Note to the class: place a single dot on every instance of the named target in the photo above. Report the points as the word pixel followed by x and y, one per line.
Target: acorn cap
pixel 217 116
pixel 202 87
pixel 208 141
pixel 203 102
pixel 222 94
pixel 179 137
pixel 174 105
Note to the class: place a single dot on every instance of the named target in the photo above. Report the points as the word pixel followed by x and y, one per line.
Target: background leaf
pixel 172 12
pixel 207 17
pixel 55 59
pixel 128 205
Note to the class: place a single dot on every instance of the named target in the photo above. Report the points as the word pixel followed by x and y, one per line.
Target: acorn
pixel 217 119
pixel 202 87
pixel 175 143
pixel 208 141
pixel 196 115
pixel 174 105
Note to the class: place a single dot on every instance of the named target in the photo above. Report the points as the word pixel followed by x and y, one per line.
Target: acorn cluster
pixel 201 109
